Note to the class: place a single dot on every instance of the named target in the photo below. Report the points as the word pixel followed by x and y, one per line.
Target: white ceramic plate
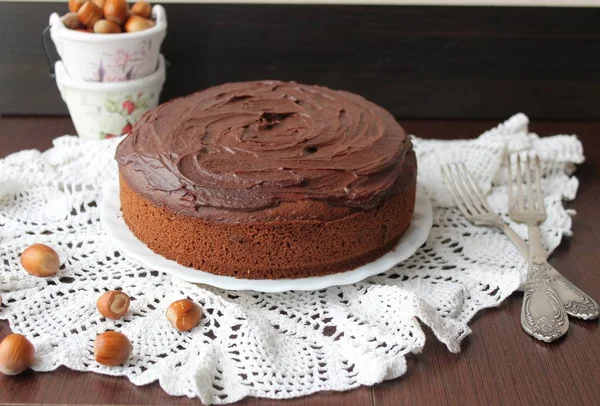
pixel 415 236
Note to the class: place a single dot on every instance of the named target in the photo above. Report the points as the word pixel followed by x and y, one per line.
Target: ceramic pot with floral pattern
pixel 104 110
pixel 109 57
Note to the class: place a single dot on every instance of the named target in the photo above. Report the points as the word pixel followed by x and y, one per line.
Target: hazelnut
pixel 89 14
pixel 142 9
pixel 112 348
pixel 71 21
pixel 107 27
pixel 184 314
pixel 116 11
pixel 137 23
pixel 113 304
pixel 99 3
pixel 16 354
pixel 40 260
pixel 75 5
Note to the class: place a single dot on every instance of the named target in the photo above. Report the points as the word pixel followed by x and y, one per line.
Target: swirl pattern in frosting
pixel 251 146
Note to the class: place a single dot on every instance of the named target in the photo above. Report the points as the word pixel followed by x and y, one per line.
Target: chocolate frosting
pixel 240 148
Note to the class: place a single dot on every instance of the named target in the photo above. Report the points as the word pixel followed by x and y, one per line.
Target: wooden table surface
pixel 499 364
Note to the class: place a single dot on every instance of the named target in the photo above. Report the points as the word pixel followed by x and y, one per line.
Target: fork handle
pixel 575 301
pixel 542 313
pixel 515 238
pixel 536 249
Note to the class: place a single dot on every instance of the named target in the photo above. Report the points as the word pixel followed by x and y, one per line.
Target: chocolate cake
pixel 268 180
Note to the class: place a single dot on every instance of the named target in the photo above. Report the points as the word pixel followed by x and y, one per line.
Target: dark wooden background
pixel 418 62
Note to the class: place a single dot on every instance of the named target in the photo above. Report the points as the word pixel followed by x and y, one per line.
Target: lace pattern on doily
pixel 256 344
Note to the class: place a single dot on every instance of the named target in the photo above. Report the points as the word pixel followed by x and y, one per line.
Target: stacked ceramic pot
pixel 109 80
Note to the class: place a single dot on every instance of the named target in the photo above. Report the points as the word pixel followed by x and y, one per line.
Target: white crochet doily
pixel 253 344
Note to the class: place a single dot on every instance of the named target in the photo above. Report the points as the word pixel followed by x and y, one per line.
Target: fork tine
pixel 471 195
pixel 510 181
pixel 520 200
pixel 463 191
pixel 454 191
pixel 538 185
pixel 474 188
pixel 532 203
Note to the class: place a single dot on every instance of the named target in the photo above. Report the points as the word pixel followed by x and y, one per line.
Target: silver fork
pixel 475 208
pixel 543 314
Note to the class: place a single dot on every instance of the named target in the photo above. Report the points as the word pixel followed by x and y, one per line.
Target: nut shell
pixel 16 354
pixel 184 314
pixel 107 27
pixel 137 23
pixel 113 304
pixel 112 348
pixel 116 11
pixel 100 3
pixel 89 14
pixel 75 5
pixel 71 21
pixel 40 260
pixel 142 9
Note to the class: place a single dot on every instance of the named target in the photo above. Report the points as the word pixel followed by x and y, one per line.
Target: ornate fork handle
pixel 576 302
pixel 542 314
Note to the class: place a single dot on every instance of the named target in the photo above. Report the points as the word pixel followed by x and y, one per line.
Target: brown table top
pixel 499 363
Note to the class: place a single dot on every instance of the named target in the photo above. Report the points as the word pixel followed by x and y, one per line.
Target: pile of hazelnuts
pixel 111 348
pixel 108 16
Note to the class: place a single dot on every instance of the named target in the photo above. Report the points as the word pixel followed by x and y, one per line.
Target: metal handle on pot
pixel 45 35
